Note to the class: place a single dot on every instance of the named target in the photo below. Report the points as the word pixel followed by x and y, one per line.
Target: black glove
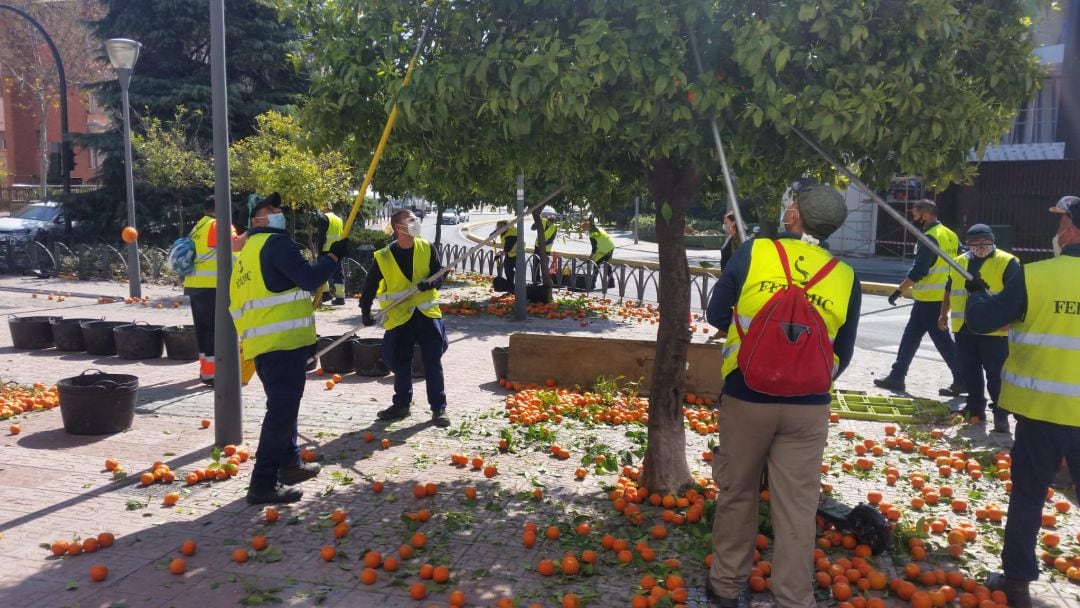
pixel 366 319
pixel 425 285
pixel 895 296
pixel 340 249
pixel 976 285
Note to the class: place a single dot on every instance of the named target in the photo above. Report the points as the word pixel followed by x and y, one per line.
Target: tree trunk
pixel 438 223
pixel 671 185
pixel 43 145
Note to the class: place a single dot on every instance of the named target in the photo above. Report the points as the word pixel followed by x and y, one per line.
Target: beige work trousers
pixel 791 439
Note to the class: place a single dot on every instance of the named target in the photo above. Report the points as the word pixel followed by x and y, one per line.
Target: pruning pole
pixel 720 149
pixel 374 164
pixel 438 275
pixel 893 213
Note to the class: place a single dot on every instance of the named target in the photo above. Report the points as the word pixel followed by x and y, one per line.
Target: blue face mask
pixel 276 220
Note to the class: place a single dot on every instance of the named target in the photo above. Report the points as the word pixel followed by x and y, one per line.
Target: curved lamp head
pixel 123 53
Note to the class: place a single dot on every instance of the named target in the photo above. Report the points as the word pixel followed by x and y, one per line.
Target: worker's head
pixel 265 211
pixel 816 209
pixel 924 212
pixel 209 205
pixel 405 225
pixel 730 224
pixel 586 225
pixel 980 240
pixel 1068 229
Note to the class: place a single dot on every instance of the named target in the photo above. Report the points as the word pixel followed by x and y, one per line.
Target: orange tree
pixel 603 95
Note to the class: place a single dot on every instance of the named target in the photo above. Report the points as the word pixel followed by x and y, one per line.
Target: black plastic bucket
pixel 180 342
pixel 367 357
pixel 68 335
pixel 337 360
pixel 139 341
pixel 96 403
pixel 31 332
pixel 98 337
pixel 500 356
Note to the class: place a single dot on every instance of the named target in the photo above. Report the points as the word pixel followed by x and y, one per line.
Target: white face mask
pixel 982 250
pixel 413 228
pixel 276 220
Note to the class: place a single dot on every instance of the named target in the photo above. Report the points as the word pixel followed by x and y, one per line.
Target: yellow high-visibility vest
pixel 333 231
pixel 604 244
pixel 205 274
pixel 992 271
pixel 512 232
pixel 267 320
pixel 931 288
pixel 1039 380
pixel 550 230
pixel 765 277
pixel 394 284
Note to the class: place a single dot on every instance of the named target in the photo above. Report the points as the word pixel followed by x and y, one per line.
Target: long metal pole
pixel 448 268
pixel 733 202
pixel 637 216
pixel 893 213
pixel 228 407
pixel 134 282
pixel 520 265
pixel 65 166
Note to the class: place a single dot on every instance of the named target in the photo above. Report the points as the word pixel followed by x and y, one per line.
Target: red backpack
pixel 786 352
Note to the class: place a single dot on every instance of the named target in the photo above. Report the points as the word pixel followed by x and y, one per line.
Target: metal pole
pixel 637 216
pixel 65 167
pixel 134 283
pixel 520 266
pixel 227 400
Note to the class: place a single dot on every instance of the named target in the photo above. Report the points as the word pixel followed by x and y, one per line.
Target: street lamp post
pixel 123 54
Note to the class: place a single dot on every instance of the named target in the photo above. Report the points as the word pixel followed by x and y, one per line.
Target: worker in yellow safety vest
pixel 201 286
pixel 926 280
pixel 414 319
pixel 602 247
pixel 329 229
pixel 979 354
pixel 271 307
pixel 1039 386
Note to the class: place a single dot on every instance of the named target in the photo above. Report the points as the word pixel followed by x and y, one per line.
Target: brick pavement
pixel 53 485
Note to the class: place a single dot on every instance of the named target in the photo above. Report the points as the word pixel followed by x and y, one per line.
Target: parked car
pixel 449 217
pixel 462 215
pixel 40 221
pixel 549 213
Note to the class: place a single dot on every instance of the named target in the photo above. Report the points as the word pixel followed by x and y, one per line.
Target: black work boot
pixel 279 495
pixel 292 475
pixel 394 412
pixel 1016 591
pixel 890 382
pixel 338 302
pixel 1001 423
pixel 955 389
pixel 440 419
pixel 715 601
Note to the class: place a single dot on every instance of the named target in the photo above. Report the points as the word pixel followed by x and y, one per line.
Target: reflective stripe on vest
pixel 205 273
pixel 333 231
pixel 394 285
pixel 1039 380
pixel 267 320
pixel 766 276
pixel 931 288
pixel 992 271
pixel 604 244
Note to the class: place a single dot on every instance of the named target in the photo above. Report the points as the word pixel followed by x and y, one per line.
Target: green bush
pixel 647 227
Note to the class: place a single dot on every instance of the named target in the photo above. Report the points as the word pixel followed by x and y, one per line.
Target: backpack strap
pixel 783 260
pixel 826 269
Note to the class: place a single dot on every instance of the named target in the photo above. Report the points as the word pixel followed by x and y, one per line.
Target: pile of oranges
pixel 533 406
pixel 16 399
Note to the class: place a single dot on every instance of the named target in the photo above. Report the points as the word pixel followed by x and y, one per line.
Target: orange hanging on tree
pixel 129 234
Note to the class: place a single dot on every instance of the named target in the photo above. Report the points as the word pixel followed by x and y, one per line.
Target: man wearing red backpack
pixel 791 311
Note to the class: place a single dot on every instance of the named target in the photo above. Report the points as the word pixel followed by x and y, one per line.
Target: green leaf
pixel 665 212
pixel 807 12
pixel 782 59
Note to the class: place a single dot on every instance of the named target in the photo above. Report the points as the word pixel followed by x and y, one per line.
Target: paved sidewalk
pixel 53 484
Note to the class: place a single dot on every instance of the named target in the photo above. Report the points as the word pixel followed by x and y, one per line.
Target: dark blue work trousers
pixel 397 353
pixel 924 320
pixel 283 373
pixel 510 268
pixel 1036 458
pixel 202 314
pixel 978 355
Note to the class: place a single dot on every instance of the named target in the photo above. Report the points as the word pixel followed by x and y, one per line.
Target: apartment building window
pixel 1036 122
pixel 96 158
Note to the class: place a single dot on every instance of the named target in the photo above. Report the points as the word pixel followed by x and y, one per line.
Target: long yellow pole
pixel 374 164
